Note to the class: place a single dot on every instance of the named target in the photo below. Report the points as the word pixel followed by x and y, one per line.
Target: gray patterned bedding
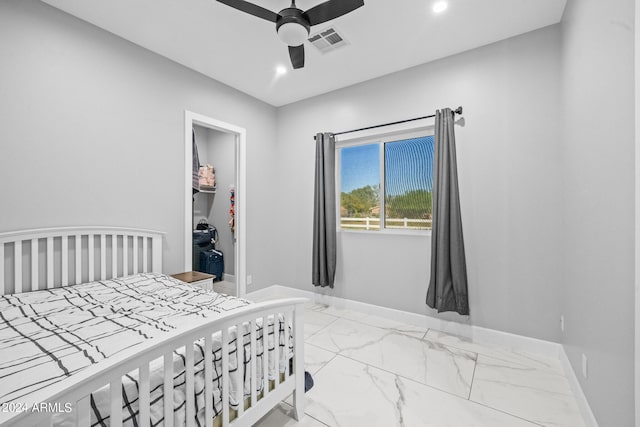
pixel 46 336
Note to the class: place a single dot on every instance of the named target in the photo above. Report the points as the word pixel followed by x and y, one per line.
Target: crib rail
pixel 53 257
pixel 74 392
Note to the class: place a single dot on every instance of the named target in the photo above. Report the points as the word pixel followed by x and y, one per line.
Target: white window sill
pixel 388 232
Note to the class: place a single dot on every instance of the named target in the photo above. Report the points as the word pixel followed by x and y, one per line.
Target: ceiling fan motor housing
pixel 292 26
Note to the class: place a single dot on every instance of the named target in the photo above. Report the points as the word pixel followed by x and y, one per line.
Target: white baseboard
pixel 581 399
pixel 475 333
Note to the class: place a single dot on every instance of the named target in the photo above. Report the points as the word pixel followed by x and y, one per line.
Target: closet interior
pixel 213 207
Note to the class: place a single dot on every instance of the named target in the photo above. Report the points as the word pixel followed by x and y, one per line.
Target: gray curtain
pixel 448 282
pixel 324 212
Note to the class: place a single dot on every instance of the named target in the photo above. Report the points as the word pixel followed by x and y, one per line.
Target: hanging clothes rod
pixel 456 111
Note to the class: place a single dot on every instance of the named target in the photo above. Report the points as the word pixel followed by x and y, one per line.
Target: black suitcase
pixel 203 240
pixel 212 262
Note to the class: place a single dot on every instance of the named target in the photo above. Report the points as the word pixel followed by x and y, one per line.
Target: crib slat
pixel 114 255
pixel 240 366
pixel 287 343
pixel 189 386
pixel 265 356
pixel 145 255
pixel 91 253
pixel 287 322
pixel 298 360
pixel 276 348
pixel 83 411
pixel 65 260
pixel 50 260
pixel 125 255
pixel 115 417
pixel 35 264
pixel 2 287
pixel 145 411
pixel 18 266
pixel 254 372
pixel 156 254
pixel 78 241
pixel 135 255
pixel 208 379
pixel 103 257
pixel 168 389
pixel 225 377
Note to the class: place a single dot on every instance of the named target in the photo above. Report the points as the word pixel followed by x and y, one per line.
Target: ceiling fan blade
pixel 297 56
pixel 251 9
pixel 330 10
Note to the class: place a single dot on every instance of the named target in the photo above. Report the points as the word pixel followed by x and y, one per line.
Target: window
pixel 386 185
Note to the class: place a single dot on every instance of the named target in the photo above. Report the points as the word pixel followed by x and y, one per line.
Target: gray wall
pixel 637 321
pixel 92 132
pixel 509 166
pixel 223 158
pixel 598 220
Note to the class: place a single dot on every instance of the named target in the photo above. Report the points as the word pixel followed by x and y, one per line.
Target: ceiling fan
pixel 293 24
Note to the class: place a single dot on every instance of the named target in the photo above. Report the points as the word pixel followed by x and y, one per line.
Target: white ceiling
pixel 243 51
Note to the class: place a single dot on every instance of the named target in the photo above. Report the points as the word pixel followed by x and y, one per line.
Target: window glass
pixel 408 183
pixel 407 174
pixel 360 187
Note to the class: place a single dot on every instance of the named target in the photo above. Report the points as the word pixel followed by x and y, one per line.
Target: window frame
pixel 380 139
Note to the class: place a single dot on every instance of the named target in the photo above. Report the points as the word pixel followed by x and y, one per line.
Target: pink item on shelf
pixel 207 176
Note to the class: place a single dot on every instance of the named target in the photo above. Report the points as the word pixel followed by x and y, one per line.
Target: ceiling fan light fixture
pixel 293 33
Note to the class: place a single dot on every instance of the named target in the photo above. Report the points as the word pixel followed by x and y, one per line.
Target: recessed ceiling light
pixel 281 70
pixel 440 6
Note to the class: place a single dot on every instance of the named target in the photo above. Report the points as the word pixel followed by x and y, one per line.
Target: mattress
pixel 46 336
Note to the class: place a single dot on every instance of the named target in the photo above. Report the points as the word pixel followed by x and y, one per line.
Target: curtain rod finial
pixel 458 110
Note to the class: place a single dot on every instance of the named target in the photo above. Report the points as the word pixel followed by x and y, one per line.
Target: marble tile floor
pixel 225 287
pixel 371 371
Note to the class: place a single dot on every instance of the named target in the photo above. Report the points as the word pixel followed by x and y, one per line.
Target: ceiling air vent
pixel 327 40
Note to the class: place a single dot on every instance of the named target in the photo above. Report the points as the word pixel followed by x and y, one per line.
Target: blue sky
pixel 360 167
pixel 408 163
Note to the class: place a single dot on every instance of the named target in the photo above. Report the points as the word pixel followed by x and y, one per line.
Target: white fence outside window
pixel 390 223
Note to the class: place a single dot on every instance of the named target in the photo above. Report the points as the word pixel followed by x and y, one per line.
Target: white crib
pixel 49 258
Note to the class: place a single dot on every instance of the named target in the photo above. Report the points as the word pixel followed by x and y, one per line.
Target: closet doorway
pixel 222 146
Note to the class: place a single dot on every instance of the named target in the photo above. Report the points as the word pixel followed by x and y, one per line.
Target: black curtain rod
pixel 456 111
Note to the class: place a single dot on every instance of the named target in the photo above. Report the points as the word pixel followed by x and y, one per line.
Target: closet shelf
pixel 210 191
